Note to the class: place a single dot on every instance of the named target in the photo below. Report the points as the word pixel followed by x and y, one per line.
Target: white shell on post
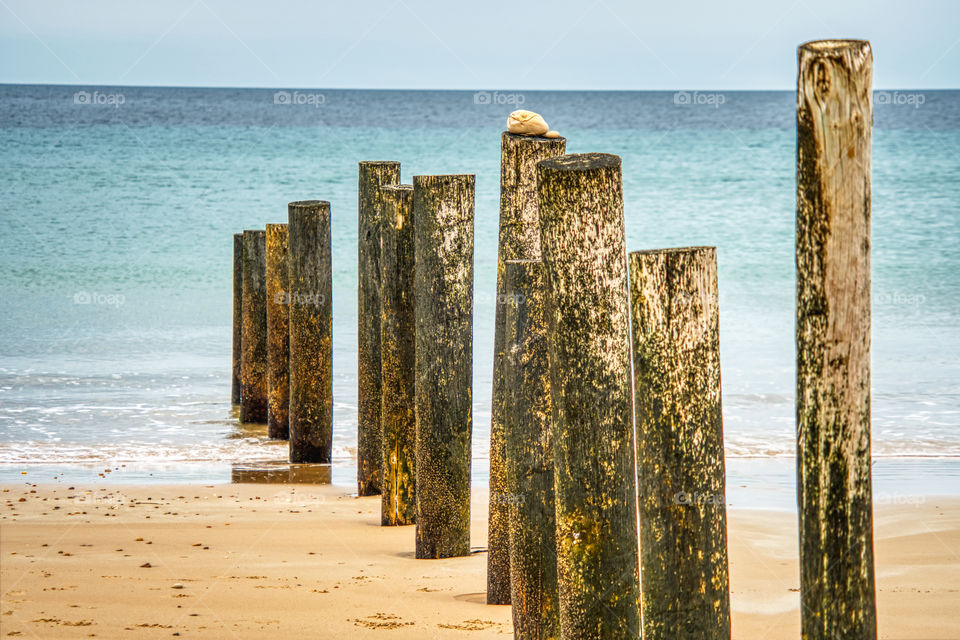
pixel 527 123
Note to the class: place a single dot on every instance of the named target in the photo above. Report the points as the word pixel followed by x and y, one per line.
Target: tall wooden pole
pixel 834 117
pixel 443 209
pixel 237 316
pixel 519 239
pixel 310 318
pixel 528 439
pixel 278 333
pixel 680 465
pixel 253 336
pixel 398 352
pixel 369 389
pixel 580 198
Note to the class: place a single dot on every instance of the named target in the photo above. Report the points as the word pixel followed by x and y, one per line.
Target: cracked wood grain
pixel 834 118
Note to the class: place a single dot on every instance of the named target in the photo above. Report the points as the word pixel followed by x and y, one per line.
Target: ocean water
pixel 118 206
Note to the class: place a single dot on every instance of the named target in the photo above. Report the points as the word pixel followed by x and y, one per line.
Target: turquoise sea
pixel 118 206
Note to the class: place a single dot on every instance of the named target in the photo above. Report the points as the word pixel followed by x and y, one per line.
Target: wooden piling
pixel 528 440
pixel 310 319
pixel 278 333
pixel 580 200
pixel 397 350
pixel 519 239
pixel 834 117
pixel 237 316
pixel 680 464
pixel 443 210
pixel 373 175
pixel 253 335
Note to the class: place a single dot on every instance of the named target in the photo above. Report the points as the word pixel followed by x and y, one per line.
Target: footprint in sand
pixel 381 621
pixel 469 625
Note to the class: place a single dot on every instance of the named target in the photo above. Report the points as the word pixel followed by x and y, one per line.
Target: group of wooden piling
pixel 415 352
pixel 606 398
pixel 282 357
pixel 415 344
pixel 606 456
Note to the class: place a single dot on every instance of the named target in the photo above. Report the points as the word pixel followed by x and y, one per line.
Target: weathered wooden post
pixel 310 319
pixel 443 237
pixel 397 350
pixel 253 336
pixel 680 465
pixel 369 389
pixel 278 333
pixel 519 239
pixel 237 316
pixel 528 439
pixel 580 198
pixel 834 117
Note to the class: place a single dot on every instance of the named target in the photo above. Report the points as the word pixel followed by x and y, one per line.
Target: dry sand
pixel 280 561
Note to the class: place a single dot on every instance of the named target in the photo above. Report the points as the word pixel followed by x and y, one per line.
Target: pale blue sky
pixel 444 44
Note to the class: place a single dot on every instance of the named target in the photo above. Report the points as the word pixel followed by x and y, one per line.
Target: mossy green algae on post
pixel 443 212
pixel 372 175
pixel 398 354
pixel 680 464
pixel 253 330
pixel 519 239
pixel 834 119
pixel 311 324
pixel 580 198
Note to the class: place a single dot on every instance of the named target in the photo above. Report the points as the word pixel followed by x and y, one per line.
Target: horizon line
pixel 475 90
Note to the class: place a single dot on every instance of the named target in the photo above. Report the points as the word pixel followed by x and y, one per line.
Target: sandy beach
pixel 271 560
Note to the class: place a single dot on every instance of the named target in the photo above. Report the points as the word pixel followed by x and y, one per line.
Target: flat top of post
pixel 379 163
pixel 272 226
pixel 645 252
pixel 445 177
pixel 253 232
pixel 540 139
pixel 309 204
pixel 827 47
pixel 581 162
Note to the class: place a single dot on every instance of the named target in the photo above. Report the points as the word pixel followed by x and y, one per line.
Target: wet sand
pixel 271 560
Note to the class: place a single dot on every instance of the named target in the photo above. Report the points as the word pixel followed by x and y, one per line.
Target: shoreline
pixel 268 559
pixel 755 483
